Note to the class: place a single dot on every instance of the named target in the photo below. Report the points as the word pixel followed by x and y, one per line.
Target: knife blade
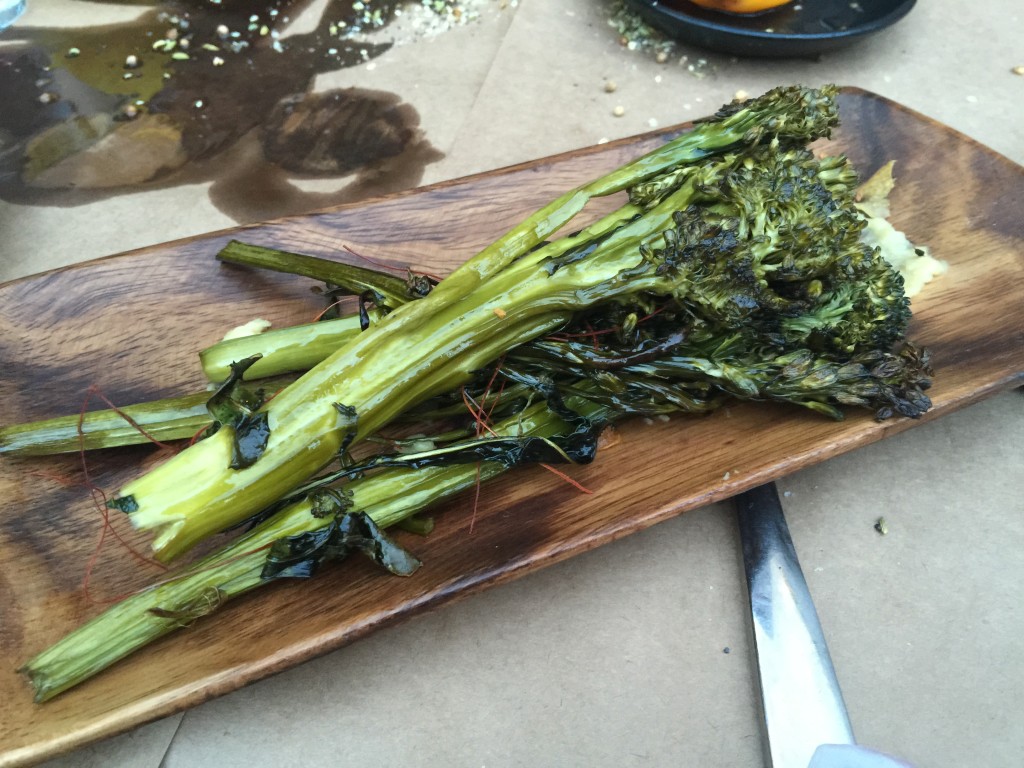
pixel 805 716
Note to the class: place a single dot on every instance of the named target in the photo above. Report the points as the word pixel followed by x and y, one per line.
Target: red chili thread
pixel 99 497
pixel 591 334
pixel 482 424
pixel 559 473
pixel 199 433
pixel 487 391
pixel 325 310
pixel 55 477
pixel 368 260
pixel 392 267
pixel 94 390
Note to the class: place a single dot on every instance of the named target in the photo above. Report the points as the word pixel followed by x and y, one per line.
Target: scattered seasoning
pixel 131 61
pixel 619 111
pixel 1018 70
pixel 223 31
pixel 72 53
pixel 727 649
pixel 741 95
pixel 500 313
pixel 699 68
pixel 610 86
pixel 218 61
pixel 199 104
pixel 180 56
pixel 636 34
pixel 130 111
pixel 881 526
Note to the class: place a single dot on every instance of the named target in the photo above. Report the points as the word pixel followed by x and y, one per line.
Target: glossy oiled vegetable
pixel 734 268
pixel 505 296
pixel 386 498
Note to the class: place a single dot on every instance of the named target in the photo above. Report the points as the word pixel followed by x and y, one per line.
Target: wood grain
pixel 131 324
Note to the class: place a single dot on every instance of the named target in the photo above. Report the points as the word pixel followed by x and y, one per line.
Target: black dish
pixel 802 28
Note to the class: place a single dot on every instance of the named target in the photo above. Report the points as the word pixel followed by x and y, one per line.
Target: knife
pixel 805 717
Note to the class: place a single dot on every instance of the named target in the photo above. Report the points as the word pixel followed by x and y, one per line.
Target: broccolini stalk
pixel 386 497
pixel 299 349
pixel 173 418
pixel 501 298
pixel 282 350
pixel 385 290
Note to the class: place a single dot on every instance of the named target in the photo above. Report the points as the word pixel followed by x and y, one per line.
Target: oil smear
pixel 213 90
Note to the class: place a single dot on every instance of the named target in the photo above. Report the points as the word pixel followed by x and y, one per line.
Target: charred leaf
pixel 300 556
pixel 237 406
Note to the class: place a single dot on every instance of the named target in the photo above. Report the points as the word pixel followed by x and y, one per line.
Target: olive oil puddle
pixel 196 92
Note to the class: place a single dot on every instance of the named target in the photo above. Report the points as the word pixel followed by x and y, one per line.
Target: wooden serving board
pixel 131 324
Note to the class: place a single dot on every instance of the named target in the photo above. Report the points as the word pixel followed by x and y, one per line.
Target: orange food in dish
pixel 740 6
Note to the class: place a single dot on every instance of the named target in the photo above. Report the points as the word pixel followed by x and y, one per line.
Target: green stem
pixel 388 497
pixel 283 350
pixel 175 418
pixel 389 369
pixel 356 280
